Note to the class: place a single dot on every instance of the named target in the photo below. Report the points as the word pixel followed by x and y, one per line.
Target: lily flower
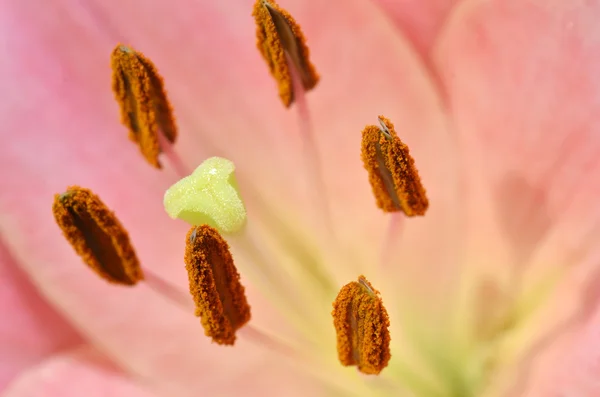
pixel 466 255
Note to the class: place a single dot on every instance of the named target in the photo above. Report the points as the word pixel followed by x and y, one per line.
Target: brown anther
pixel 392 172
pixel 215 285
pixel 145 109
pixel 361 324
pixel 278 34
pixel 97 235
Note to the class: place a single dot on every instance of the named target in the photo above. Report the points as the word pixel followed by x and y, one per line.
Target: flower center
pixel 209 200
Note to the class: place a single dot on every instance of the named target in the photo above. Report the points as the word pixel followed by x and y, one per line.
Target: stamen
pixel 215 285
pixel 392 172
pixel 145 109
pixel 278 34
pixel 210 196
pixel 97 235
pixel 361 324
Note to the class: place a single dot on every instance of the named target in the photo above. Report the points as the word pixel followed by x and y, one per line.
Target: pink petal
pixel 521 80
pixel 570 366
pixel 82 372
pixel 420 20
pixel 226 104
pixel 31 330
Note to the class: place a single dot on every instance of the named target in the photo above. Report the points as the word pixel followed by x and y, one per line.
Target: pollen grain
pixel 278 34
pixel 361 324
pixel 393 176
pixel 97 235
pixel 145 109
pixel 215 285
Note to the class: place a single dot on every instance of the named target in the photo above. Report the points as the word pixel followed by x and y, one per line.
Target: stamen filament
pixel 271 280
pixel 391 239
pixel 168 290
pixel 249 332
pixel 166 147
pixel 311 156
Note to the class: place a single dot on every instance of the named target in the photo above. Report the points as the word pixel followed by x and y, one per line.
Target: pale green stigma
pixel 209 196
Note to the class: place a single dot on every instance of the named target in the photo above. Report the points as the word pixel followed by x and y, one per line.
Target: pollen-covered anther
pixel 392 172
pixel 278 34
pixel 145 109
pixel 97 235
pixel 361 324
pixel 215 285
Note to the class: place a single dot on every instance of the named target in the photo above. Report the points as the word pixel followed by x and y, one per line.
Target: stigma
pixel 392 172
pixel 142 99
pixel 215 285
pixel 279 39
pixel 210 196
pixel 97 236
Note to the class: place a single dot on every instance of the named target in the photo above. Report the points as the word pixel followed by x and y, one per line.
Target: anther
pixel 278 34
pixel 97 235
pixel 210 196
pixel 392 172
pixel 361 324
pixel 215 285
pixel 145 109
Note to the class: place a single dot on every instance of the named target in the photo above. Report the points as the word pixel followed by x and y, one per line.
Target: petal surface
pixel 226 104
pixel 32 329
pixel 420 21
pixel 75 373
pixel 521 81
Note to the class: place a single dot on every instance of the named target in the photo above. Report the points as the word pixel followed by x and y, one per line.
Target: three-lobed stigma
pixel 145 109
pixel 361 324
pixel 215 285
pixel 97 235
pixel 392 173
pixel 278 34
pixel 209 195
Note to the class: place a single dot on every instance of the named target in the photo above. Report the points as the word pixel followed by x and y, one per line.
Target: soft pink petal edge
pixel 74 373
pixel 31 329
pixel 421 21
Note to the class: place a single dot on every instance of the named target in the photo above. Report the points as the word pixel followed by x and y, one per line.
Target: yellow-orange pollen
pixel 97 235
pixel 361 324
pixel 392 172
pixel 279 35
pixel 215 285
pixel 145 109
